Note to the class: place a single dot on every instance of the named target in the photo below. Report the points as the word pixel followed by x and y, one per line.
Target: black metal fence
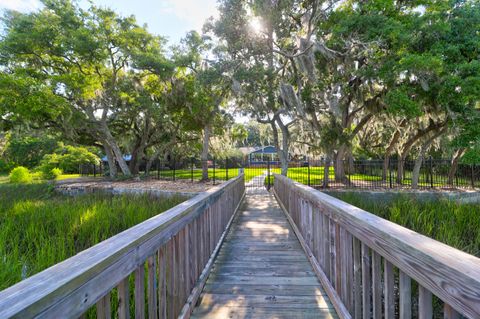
pixel 364 174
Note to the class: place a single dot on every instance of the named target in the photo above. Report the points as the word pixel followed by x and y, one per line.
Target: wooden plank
pixel 264 280
pixel 104 309
pixel 266 289
pixel 139 292
pixel 432 264
pixel 152 287
pixel 249 312
pixel 326 246
pixel 450 313
pixel 389 281
pixel 208 300
pixel 171 280
pixel 357 274
pixel 425 308
pixel 405 296
pixel 330 290
pixel 200 283
pixel 162 283
pixel 123 299
pixel 349 278
pixel 366 282
pixel 377 285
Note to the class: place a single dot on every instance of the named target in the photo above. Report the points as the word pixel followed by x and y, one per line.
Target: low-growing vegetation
pixel 455 224
pixel 40 227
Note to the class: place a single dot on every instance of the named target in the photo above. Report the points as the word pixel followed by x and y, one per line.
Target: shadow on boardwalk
pixel 261 270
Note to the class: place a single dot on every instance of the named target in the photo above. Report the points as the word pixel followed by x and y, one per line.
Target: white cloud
pixel 193 12
pixel 20 5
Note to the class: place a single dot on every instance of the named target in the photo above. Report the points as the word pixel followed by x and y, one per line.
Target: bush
pixel 20 174
pixel 52 174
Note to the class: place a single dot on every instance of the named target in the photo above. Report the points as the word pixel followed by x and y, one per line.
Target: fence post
pixel 431 172
pixel 472 173
pixel 308 171
pixel 268 174
pixel 226 168
pixel 390 173
pixel 214 170
pixel 158 168
pixel 191 169
pixel 174 168
pixel 94 171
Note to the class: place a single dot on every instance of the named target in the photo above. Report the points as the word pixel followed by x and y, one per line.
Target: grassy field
pixel 455 224
pixel 40 228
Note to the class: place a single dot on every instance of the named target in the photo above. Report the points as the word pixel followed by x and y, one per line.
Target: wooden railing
pixel 369 265
pixel 156 268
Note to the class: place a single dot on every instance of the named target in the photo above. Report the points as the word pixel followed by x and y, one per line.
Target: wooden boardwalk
pixel 261 270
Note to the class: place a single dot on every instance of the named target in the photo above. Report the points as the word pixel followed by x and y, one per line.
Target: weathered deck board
pixel 261 270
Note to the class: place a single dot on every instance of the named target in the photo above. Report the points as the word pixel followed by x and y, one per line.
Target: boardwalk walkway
pixel 261 270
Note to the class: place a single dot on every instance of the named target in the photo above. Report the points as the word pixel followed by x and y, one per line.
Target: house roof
pixel 126 157
pixel 265 150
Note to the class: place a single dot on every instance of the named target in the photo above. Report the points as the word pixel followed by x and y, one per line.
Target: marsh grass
pixel 39 228
pixel 455 224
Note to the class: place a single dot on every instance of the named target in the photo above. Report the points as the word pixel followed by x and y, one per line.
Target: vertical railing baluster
pixel 405 296
pixel 377 285
pixel 389 298
pixel 140 292
pixel 357 275
pixel 366 281
pixel 425 309
pixel 152 287
pixel 123 290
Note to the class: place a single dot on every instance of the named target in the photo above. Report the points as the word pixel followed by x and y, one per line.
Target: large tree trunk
pixel 418 162
pixel 393 141
pixel 112 166
pixel 339 164
pixel 204 155
pixel 408 146
pixel 282 150
pixel 454 164
pixel 116 151
pixel 326 172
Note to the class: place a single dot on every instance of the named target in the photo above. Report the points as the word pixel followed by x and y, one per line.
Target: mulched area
pixel 151 184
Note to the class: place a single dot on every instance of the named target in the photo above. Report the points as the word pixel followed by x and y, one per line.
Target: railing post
pixel 308 171
pixel 390 173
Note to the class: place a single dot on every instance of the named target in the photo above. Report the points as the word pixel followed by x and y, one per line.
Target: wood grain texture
pixel 140 292
pixel 450 274
pixel 123 289
pixel 405 296
pixel 389 294
pixel 262 276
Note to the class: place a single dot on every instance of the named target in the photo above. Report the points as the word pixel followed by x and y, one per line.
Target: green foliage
pixel 41 228
pixel 51 174
pixel 28 151
pixel 20 175
pixel 68 159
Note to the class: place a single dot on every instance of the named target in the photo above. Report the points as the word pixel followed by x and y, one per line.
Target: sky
pixel 170 18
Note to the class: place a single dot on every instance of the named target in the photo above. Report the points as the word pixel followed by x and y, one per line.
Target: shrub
pixel 52 174
pixel 20 174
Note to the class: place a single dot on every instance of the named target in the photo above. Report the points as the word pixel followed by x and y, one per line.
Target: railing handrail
pixel 56 284
pixel 450 274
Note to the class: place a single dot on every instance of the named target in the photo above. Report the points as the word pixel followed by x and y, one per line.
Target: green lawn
pixel 40 227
